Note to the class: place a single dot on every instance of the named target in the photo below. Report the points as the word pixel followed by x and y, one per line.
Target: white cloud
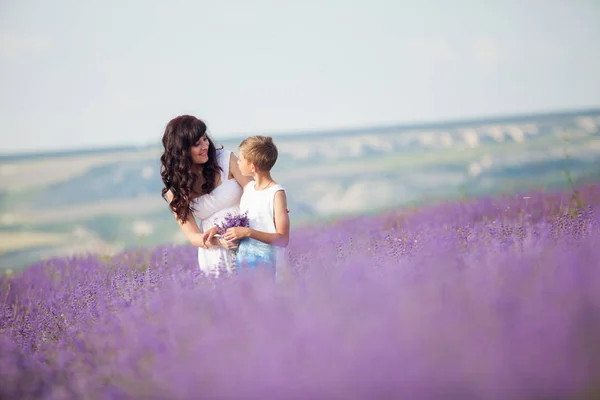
pixel 541 49
pixel 491 53
pixel 13 45
pixel 432 47
pixel 488 52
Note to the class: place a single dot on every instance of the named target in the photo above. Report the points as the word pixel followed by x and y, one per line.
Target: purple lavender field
pixel 485 299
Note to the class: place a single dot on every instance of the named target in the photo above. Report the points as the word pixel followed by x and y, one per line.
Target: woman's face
pixel 199 150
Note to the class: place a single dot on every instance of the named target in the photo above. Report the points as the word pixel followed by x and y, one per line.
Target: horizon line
pixel 497 118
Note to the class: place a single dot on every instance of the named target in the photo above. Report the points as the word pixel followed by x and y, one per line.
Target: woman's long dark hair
pixel 176 170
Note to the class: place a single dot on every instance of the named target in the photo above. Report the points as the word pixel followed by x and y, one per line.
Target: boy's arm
pixel 280 238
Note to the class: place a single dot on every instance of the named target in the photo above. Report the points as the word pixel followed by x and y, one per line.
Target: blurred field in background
pixel 107 200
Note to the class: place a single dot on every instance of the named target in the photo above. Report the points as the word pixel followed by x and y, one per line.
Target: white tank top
pixel 259 205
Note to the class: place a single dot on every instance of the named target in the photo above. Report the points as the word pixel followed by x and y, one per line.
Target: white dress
pixel 210 209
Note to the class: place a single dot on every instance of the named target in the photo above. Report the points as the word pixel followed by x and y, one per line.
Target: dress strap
pixel 224 160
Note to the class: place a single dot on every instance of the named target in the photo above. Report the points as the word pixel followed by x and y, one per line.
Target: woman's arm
pixel 209 239
pixel 234 170
pixel 191 230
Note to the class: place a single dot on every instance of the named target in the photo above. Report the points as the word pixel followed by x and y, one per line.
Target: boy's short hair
pixel 260 151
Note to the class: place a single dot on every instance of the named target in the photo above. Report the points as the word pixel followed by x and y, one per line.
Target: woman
pixel 204 182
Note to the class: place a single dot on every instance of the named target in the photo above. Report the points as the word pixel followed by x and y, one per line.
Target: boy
pixel 264 242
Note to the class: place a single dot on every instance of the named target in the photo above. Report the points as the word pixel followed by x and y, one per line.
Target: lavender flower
pixel 232 221
pixel 457 301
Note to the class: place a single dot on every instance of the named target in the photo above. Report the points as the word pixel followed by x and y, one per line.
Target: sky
pixel 76 74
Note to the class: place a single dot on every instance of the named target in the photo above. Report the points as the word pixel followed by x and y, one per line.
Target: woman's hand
pixel 228 244
pixel 209 240
pixel 207 237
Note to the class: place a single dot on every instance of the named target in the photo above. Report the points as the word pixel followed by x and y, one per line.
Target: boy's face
pixel 246 168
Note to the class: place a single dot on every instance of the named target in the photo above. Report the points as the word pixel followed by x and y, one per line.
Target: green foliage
pixel 577 202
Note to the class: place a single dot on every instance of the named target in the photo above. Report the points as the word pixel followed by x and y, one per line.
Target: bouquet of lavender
pixel 232 221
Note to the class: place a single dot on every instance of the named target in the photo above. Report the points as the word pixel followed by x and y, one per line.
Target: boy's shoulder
pixel 275 189
pixel 277 186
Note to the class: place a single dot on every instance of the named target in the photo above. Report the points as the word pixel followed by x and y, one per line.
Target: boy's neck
pixel 262 180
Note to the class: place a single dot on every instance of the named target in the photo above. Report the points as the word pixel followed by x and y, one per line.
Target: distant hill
pixel 103 200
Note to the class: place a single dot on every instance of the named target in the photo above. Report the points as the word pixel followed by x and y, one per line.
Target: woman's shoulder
pixel 223 156
pixel 223 152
